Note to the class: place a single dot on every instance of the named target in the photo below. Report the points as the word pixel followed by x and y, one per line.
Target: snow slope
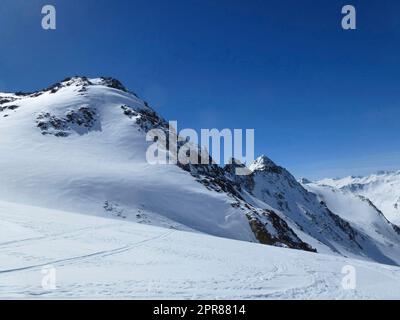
pixel 276 187
pixel 99 167
pixel 80 146
pixel 363 215
pixel 97 257
pixel 382 188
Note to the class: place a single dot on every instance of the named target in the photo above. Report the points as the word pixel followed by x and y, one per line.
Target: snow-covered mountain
pixel 382 188
pixel 80 145
pixel 363 215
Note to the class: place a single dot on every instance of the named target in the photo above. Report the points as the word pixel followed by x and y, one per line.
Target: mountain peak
pixel 262 163
pixel 78 81
pixel 109 82
pixel 85 81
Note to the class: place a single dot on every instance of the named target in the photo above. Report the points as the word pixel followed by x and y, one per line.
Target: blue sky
pixel 323 101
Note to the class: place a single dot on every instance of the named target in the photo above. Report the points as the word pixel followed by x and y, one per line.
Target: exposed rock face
pixel 7 104
pixel 9 107
pixel 147 119
pixel 113 83
pixel 82 120
pixel 272 230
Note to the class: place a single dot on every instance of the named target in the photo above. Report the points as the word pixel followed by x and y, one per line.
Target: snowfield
pixel 107 258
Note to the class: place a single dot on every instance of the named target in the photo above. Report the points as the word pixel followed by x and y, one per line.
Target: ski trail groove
pixel 55 236
pixel 104 253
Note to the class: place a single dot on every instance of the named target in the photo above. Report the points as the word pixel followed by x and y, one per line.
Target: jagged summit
pixel 77 81
pixel 263 163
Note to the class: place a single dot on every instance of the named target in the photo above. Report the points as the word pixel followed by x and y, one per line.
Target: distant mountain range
pixel 382 188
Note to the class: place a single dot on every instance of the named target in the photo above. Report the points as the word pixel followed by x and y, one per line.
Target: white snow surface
pixel 364 216
pixel 96 257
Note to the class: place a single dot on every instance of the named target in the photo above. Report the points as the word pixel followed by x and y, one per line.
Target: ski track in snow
pixel 54 236
pixel 104 253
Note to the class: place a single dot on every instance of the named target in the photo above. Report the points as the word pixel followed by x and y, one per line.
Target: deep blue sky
pixel 323 101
